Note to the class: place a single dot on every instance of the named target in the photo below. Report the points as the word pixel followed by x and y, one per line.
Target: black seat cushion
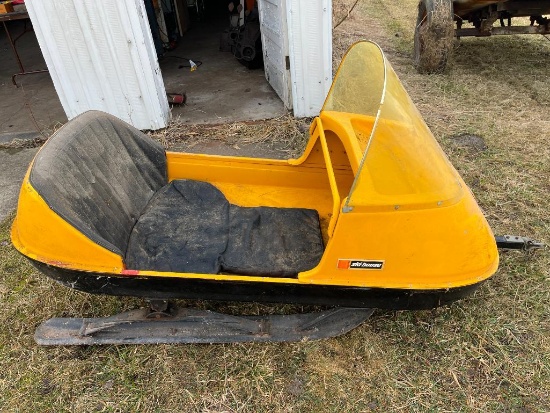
pixel 183 229
pixel 98 173
pixel 272 241
pixel 189 226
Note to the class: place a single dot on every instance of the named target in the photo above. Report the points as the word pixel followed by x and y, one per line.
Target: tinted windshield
pixel 400 161
pixel 359 83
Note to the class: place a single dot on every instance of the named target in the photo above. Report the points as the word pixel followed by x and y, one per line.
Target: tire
pixel 433 35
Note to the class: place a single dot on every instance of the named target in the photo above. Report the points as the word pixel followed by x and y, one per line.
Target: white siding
pixel 310 46
pixel 101 55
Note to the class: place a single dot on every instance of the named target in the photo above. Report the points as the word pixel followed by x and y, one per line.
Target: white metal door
pixel 310 51
pixel 275 47
pixel 101 56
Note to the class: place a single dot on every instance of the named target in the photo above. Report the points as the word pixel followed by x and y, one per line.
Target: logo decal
pixel 346 264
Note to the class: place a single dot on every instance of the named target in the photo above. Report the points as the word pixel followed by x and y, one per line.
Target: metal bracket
pixel 486 25
pixel 198 326
pixel 514 242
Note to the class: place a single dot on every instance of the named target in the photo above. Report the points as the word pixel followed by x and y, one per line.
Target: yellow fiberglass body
pixel 398 226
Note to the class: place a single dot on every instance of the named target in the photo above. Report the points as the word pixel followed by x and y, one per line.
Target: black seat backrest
pixel 98 173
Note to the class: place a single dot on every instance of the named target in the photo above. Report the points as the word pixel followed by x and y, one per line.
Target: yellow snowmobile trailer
pixel 372 215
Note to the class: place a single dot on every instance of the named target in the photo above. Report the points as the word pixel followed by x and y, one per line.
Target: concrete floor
pixel 14 164
pixel 221 90
pixel 34 104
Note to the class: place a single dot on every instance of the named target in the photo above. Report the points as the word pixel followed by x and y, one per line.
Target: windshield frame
pixel 347 207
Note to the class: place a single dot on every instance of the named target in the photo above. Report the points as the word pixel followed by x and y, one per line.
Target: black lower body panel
pixel 192 288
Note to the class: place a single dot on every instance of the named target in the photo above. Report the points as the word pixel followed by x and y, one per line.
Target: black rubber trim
pixel 186 288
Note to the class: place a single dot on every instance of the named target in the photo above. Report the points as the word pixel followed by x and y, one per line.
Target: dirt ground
pixel 489 353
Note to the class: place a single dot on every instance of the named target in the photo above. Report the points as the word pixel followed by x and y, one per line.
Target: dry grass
pixel 39 140
pixel 489 353
pixel 284 134
pixel 23 143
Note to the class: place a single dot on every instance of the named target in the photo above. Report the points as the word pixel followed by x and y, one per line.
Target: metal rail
pixel 169 325
pixel 499 31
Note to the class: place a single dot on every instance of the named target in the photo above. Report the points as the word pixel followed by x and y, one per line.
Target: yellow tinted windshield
pixel 399 162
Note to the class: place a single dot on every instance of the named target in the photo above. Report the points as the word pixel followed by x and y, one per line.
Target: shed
pixel 101 56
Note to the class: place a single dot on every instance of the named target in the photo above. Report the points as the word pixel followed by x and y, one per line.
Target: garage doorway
pixel 221 89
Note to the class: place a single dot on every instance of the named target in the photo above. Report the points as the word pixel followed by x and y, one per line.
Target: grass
pixel 488 353
pixel 284 136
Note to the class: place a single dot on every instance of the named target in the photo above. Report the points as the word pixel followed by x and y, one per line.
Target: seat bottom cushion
pixel 190 227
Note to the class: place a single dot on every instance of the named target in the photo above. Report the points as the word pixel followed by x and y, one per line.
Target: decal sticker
pixel 348 264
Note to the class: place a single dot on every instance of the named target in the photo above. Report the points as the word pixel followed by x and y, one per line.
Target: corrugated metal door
pixel 310 47
pixel 101 56
pixel 275 47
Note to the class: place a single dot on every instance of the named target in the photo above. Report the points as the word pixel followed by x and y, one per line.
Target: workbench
pixel 18 15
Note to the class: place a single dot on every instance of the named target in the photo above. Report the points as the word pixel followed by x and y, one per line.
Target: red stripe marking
pixel 130 272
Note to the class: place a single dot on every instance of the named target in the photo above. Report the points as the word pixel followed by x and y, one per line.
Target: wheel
pixel 433 35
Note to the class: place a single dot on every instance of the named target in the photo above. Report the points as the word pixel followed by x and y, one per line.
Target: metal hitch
pixel 513 242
